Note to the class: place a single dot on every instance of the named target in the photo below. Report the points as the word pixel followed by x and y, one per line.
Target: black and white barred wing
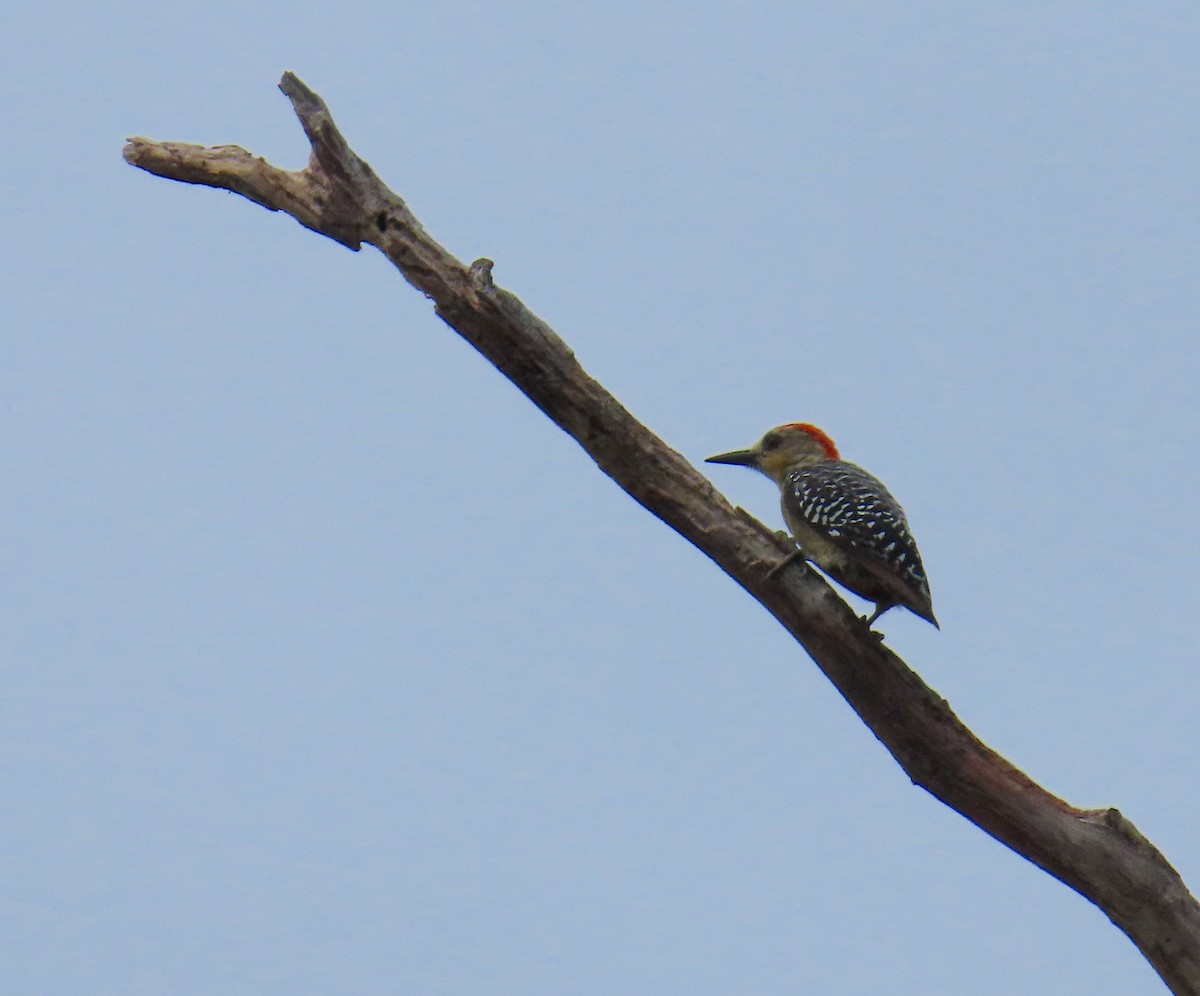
pixel 856 512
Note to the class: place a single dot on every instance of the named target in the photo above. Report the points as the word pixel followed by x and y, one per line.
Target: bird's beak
pixel 739 458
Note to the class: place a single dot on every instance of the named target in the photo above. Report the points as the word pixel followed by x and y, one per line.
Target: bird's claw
pixel 794 555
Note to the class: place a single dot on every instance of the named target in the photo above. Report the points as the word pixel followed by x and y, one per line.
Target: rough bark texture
pixel 1098 853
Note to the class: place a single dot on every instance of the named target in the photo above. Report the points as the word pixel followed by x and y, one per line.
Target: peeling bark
pixel 1098 853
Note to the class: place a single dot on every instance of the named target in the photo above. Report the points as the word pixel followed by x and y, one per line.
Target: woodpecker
pixel 842 519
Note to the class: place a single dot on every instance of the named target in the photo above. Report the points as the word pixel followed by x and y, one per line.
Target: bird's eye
pixel 770 442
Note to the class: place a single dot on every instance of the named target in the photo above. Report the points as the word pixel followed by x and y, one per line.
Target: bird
pixel 841 518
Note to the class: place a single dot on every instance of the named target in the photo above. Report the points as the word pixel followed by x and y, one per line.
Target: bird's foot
pixel 870 620
pixel 876 634
pixel 794 555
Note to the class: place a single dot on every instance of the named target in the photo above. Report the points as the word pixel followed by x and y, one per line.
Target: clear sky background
pixel 330 665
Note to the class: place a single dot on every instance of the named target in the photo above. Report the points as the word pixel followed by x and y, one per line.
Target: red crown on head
pixel 819 435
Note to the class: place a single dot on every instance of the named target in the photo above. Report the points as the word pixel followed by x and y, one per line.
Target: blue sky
pixel 329 664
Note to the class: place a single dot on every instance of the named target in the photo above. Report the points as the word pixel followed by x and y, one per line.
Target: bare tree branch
pixel 1098 853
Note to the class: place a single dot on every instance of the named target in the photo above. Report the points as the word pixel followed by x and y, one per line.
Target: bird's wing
pixel 856 512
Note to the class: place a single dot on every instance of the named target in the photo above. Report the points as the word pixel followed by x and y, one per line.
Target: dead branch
pixel 1098 853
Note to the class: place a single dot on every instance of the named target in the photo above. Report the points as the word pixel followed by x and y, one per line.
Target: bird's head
pixel 784 447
